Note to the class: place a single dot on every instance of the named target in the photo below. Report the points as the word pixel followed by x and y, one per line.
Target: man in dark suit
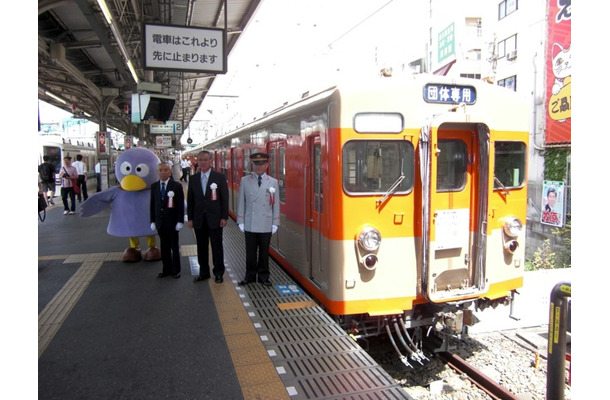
pixel 208 212
pixel 167 218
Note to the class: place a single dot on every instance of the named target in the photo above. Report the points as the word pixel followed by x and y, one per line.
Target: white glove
pixel 241 227
pixel 153 227
pixel 273 229
pixel 179 226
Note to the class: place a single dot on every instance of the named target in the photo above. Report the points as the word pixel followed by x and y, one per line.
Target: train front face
pixel 428 205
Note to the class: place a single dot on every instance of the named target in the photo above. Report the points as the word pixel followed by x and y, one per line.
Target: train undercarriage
pixel 439 324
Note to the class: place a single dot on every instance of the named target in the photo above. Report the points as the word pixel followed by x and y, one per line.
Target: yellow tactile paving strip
pixel 256 373
pixel 54 314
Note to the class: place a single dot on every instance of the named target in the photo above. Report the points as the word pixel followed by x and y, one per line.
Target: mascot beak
pixel 132 183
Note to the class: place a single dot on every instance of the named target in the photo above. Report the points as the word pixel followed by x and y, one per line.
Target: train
pixel 57 149
pixel 403 201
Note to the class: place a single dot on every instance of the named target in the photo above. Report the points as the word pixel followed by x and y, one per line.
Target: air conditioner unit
pixel 511 55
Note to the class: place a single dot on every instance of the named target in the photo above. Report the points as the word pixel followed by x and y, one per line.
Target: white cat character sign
pixel 559 73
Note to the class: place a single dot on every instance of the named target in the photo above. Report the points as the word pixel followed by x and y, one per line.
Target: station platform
pixel 113 330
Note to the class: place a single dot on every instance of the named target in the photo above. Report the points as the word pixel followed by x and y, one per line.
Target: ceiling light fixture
pixel 119 39
pixel 55 97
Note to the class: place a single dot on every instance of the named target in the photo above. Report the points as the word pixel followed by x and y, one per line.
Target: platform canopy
pixel 91 54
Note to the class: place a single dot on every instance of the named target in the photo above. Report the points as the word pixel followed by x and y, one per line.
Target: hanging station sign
pixel 188 49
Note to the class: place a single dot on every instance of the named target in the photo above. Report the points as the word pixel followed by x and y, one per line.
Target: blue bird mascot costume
pixel 136 170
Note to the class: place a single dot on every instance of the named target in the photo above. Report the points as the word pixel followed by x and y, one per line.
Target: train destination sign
pixel 449 94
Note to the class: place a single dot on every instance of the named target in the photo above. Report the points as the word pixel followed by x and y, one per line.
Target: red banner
pixel 559 73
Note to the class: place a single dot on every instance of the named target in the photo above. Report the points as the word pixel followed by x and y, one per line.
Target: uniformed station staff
pixel 258 216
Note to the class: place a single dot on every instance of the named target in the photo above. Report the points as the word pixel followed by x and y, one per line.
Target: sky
pixel 294 46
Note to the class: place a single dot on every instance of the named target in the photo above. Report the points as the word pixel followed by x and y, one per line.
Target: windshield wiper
pixel 506 192
pixel 392 189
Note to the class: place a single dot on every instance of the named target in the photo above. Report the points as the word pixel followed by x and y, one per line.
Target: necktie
pixel 204 182
pixel 162 190
pixel 259 180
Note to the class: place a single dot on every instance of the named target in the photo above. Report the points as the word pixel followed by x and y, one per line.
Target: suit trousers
pixel 204 236
pixel 170 250
pixel 257 255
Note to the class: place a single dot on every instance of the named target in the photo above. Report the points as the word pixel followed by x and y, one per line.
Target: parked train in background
pixel 58 149
pixel 403 203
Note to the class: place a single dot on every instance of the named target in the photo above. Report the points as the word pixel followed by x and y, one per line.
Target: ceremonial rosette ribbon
pixel 213 186
pixel 170 199
pixel 271 196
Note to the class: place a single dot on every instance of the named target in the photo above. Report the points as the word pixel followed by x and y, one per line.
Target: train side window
pixel 452 162
pixel 373 166
pixel 246 158
pixel 282 173
pixel 235 166
pixel 272 163
pixel 509 164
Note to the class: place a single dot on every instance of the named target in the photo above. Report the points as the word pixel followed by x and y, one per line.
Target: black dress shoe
pixel 176 276
pixel 162 275
pixel 218 279
pixel 244 282
pixel 200 278
pixel 266 283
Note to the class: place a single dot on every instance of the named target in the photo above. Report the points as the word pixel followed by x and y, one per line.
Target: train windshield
pixel 509 165
pixel 373 166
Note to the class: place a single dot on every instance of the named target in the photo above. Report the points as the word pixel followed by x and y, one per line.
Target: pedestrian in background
pixel 167 218
pixel 98 177
pixel 81 170
pixel 68 174
pixel 207 212
pixel 258 216
pixel 46 172
pixel 185 164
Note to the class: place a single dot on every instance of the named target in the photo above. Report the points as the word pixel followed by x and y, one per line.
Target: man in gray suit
pixel 258 216
pixel 207 209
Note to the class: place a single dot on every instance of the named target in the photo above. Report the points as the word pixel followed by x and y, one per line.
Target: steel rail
pixel 485 383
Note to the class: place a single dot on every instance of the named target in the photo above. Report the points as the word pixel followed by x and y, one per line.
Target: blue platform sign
pixel 449 94
pixel 288 289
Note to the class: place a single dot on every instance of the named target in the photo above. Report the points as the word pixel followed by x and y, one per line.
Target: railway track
pixel 483 366
pixel 482 381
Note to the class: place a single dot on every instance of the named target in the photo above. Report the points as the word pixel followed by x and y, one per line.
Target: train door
pixel 457 214
pixel 314 201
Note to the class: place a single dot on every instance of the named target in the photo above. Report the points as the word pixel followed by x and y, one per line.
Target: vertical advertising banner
pixel 552 203
pixel 103 143
pixel 559 73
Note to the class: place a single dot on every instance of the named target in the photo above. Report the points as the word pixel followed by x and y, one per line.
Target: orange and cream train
pixel 403 202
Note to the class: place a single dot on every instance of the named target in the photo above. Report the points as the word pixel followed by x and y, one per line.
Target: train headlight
pixel 369 238
pixel 513 226
pixel 511 246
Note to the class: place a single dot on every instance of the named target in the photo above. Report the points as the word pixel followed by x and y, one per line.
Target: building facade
pixel 525 47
